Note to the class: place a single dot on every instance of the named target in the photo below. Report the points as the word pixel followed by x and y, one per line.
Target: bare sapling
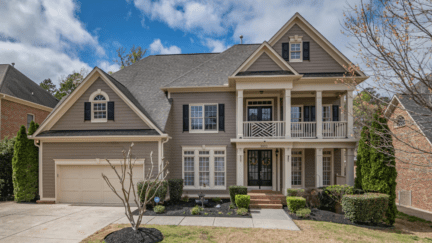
pixel 129 192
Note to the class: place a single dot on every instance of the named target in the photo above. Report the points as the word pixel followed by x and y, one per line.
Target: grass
pixel 407 229
pixel 410 218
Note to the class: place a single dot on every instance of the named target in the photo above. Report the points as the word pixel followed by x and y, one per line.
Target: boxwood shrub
pixel 303 213
pixel 237 190
pixel 366 208
pixel 242 211
pixel 161 192
pixel 242 201
pixel 295 203
pixel 175 189
pixel 294 192
pixel 159 209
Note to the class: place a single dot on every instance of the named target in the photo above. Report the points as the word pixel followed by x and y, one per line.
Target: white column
pixel 342 110
pixel 278 169
pixel 287 113
pixel 239 113
pixel 343 151
pixel 240 166
pixel 319 167
pixel 287 170
pixel 319 118
pixel 350 114
pixel 274 180
pixel 350 167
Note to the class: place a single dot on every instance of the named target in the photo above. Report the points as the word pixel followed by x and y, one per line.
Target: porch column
pixel 342 109
pixel 319 166
pixel 239 113
pixel 287 170
pixel 319 118
pixel 287 113
pixel 240 167
pixel 350 167
pixel 350 114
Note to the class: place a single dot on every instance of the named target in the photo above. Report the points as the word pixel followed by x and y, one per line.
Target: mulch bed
pixel 127 235
pixel 184 209
pixel 328 216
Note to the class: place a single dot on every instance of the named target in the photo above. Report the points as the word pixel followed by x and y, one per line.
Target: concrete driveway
pixel 53 223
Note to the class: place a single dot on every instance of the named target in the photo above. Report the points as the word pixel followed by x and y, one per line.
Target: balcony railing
pixel 303 129
pixel 264 129
pixel 335 129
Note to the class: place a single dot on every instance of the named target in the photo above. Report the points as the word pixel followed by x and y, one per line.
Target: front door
pixel 260 168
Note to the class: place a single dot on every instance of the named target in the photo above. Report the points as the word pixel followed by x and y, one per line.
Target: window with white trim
pixel 297 168
pixel 99 106
pixel 295 48
pixel 204 166
pixel 296 114
pixel 296 51
pixel 326 113
pixel 203 117
pixel 327 167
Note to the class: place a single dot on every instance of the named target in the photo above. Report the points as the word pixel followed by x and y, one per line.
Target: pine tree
pixel 380 173
pixel 33 159
pixel 362 157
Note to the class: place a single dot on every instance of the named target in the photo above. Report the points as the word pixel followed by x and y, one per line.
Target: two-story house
pixel 267 116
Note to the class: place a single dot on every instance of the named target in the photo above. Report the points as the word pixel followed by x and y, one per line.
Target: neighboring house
pixel 21 101
pixel 412 126
pixel 266 116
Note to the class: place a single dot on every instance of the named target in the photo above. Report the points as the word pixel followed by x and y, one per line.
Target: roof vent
pixel 32 93
pixel 241 39
pixel 13 64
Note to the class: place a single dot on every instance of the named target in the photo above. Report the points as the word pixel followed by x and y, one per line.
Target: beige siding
pixel 125 117
pixel 320 60
pixel 51 151
pixel 180 138
pixel 264 63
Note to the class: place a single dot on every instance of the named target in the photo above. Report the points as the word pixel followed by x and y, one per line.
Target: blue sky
pixel 52 38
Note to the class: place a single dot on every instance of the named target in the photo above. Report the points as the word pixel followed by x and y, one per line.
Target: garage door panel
pixel 92 197
pixel 92 185
pixel 71 184
pixel 71 196
pixel 71 171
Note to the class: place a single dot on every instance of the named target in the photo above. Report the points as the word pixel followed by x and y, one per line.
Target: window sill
pixel 200 131
pixel 204 188
pixel 299 60
pixel 99 121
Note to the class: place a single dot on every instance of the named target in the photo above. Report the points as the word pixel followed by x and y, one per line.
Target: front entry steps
pixel 266 199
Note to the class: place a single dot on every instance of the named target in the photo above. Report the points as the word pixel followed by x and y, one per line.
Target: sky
pixel 53 38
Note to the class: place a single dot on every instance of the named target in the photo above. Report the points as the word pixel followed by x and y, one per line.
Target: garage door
pixel 83 184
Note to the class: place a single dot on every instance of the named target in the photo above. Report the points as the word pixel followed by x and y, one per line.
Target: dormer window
pixel 295 48
pixel 99 106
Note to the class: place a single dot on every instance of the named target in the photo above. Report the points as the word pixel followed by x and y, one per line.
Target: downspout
pixel 163 154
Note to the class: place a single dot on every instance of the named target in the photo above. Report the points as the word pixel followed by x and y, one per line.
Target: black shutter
pixel 306 51
pixel 185 118
pixel 221 117
pixel 285 51
pixel 87 111
pixel 111 110
pixel 335 113
pixel 307 113
pixel 313 114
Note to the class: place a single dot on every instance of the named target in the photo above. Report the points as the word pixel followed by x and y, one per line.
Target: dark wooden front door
pixel 260 168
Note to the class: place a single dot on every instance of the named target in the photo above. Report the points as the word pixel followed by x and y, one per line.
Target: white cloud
pixel 158 48
pixel 215 45
pixel 108 67
pixel 39 63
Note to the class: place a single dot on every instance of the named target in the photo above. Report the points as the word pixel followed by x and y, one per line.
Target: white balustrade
pixel 264 129
pixel 335 129
pixel 303 129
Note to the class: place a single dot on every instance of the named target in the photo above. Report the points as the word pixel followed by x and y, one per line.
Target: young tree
pixel 135 54
pixel 129 193
pixel 33 157
pixel 49 86
pixel 363 155
pixel 70 83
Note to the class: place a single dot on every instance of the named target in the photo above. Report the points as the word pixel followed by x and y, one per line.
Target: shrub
pixel 161 192
pixel 303 213
pixel 6 155
pixel 312 196
pixel 196 210
pixel 295 203
pixel 336 192
pixel 159 209
pixel 242 211
pixel 216 200
pixel 294 192
pixel 237 190
pixel 366 208
pixel 185 199
pixel 232 206
pixel 175 189
pixel 242 201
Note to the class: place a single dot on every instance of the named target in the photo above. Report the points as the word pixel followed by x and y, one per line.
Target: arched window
pixel 400 121
pixel 99 106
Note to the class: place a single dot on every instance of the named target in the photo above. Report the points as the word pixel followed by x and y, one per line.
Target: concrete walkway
pixel 261 218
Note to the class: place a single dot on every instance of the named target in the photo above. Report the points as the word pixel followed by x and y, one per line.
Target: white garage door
pixel 83 184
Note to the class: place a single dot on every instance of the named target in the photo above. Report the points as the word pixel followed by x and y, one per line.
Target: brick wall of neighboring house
pixel 13 115
pixel 414 171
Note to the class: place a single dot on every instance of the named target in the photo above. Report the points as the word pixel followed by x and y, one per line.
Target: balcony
pixel 264 129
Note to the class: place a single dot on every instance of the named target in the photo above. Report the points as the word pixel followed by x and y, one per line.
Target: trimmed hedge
pixel 242 201
pixel 161 193
pixel 366 208
pixel 294 192
pixel 295 203
pixel 175 189
pixel 237 190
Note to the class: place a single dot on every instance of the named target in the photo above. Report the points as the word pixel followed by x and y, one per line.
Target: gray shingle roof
pixel 421 115
pixel 14 83
pixel 131 132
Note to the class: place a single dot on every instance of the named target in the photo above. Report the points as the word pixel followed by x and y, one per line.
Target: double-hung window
pixel 297 168
pixel 204 166
pixel 296 52
pixel 204 117
pixel 327 167
pixel 327 113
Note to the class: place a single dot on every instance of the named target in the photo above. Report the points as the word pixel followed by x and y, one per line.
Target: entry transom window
pixel 204 117
pixel 204 167
pixel 297 168
pixel 327 167
pixel 99 101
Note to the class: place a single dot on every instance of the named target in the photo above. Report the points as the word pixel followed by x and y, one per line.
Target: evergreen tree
pixel 22 181
pixel 379 174
pixel 33 158
pixel 362 157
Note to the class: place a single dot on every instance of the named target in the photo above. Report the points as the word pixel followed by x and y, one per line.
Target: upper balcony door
pixel 260 113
